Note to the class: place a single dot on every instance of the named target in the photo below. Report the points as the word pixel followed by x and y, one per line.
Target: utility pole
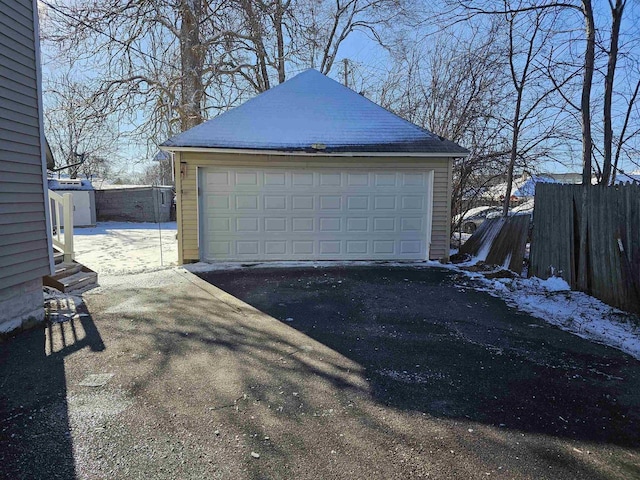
pixel 345 61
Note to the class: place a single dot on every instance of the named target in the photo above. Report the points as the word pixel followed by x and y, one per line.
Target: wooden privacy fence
pixel 613 239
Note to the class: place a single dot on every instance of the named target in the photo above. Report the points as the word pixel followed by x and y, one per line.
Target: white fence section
pixel 62 223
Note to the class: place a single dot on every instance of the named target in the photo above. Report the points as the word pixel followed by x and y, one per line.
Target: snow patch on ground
pixel 119 248
pixel 552 301
pixel 51 294
pixel 134 281
pixel 61 307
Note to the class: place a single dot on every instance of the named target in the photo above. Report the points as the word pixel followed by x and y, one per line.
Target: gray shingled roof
pixel 313 109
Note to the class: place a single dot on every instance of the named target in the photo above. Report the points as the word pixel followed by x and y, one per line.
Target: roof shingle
pixel 311 109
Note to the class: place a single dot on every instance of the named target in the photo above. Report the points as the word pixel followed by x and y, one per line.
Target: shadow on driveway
pixel 35 432
pixel 411 378
pixel 431 344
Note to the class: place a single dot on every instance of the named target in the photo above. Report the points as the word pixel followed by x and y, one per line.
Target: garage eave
pixel 304 153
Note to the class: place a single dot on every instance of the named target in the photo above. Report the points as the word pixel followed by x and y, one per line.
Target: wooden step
pixel 71 277
pixel 58 257
pixel 79 281
pixel 65 269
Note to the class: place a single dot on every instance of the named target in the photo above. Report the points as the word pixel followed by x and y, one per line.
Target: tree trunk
pixel 513 156
pixel 277 20
pixel 585 103
pixel 192 63
pixel 616 20
pixel 587 144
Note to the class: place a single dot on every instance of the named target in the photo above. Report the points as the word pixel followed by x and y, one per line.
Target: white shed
pixel 84 201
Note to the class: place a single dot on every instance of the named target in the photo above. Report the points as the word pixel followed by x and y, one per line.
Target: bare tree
pixel 151 55
pixel 79 135
pixel 630 129
pixel 585 102
pixel 167 65
pixel 530 110
pixel 529 35
pixel 157 172
pixel 617 11
pixel 455 89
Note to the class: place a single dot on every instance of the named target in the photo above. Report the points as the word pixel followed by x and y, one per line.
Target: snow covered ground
pixel 121 248
pixel 553 301
pixel 121 252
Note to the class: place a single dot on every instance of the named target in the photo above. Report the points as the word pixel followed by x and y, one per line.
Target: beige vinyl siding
pixel 186 187
pixel 24 250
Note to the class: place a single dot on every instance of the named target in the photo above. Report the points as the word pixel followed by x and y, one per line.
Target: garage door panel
pixel 384 202
pixel 275 224
pixel 247 178
pixel 302 202
pixel 357 247
pixel 357 202
pixel 330 224
pixel 409 247
pixel 217 178
pixel 247 247
pixel 218 247
pixel 384 247
pixel 275 202
pixel 279 214
pixel 411 224
pixel 384 224
pixel 330 202
pixel 357 224
pixel 414 180
pixel 329 247
pixel 358 179
pixel 302 179
pixel 302 224
pixel 219 224
pixel 330 179
pixel 414 202
pixel 275 179
pixel 302 248
pixel 246 202
pixel 275 247
pixel 386 179
pixel 218 202
pixel 247 224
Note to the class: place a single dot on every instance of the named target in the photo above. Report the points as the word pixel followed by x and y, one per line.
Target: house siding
pixel 187 205
pixel 24 247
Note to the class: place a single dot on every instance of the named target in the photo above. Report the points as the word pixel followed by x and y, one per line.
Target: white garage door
pixel 314 214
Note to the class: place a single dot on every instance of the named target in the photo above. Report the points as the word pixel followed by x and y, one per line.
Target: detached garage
pixel 311 170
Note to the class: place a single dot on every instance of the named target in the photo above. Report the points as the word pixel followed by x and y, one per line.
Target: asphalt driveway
pixel 431 344
pixel 337 373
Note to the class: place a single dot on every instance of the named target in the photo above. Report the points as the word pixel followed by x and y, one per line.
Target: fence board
pixel 552 241
pixel 500 241
pixel 612 214
pixel 510 243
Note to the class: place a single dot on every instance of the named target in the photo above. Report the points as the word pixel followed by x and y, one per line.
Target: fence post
pixel 67 209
